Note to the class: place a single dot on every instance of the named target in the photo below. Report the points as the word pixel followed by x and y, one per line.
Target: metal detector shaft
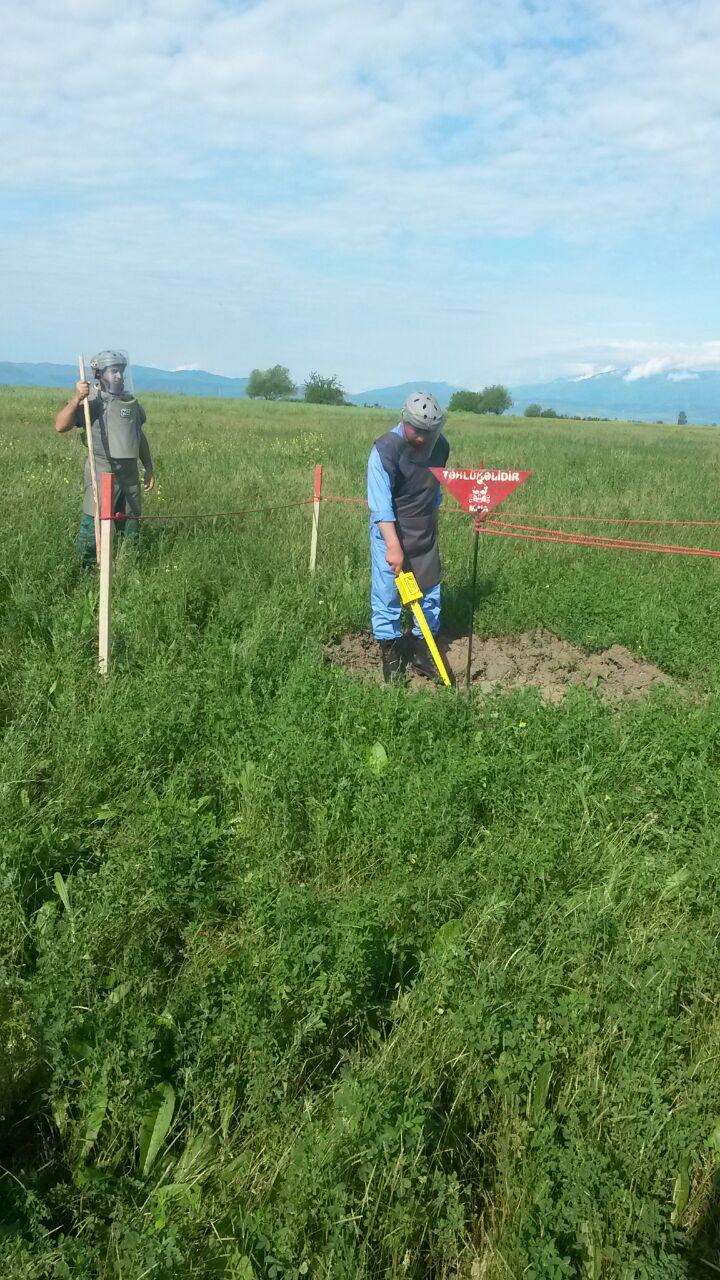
pixel 411 594
pixel 472 609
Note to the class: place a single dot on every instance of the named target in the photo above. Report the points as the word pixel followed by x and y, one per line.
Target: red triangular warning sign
pixel 480 489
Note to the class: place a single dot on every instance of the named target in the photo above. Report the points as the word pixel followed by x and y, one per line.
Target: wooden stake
pixel 107 532
pixel 317 494
pixel 91 457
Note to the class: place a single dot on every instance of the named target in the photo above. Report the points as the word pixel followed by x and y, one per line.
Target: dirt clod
pixel 535 659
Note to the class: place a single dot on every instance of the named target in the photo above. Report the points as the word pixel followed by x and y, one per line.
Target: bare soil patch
pixel 535 659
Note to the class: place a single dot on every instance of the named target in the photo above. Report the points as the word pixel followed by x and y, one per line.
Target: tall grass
pixel 275 1004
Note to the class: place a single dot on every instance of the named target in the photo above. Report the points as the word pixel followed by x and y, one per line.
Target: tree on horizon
pixel 494 399
pixel 270 384
pixel 319 390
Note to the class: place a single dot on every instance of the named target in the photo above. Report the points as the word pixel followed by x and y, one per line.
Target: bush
pixel 533 411
pixel 319 390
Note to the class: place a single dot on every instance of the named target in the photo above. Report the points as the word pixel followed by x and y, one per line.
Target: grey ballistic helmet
pixel 106 360
pixel 422 411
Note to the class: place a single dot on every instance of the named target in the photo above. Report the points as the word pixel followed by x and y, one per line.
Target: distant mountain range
pixel 189 382
pixel 395 397
pixel 611 394
pixel 197 382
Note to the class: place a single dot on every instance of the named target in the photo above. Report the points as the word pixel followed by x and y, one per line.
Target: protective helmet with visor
pixel 425 415
pixel 423 412
pixel 111 370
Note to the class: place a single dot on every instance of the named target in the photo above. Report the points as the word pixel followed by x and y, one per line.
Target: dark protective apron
pixel 418 539
pixel 116 435
pixel 414 491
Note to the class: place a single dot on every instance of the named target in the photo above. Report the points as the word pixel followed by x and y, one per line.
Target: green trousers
pixel 126 529
pixel 128 502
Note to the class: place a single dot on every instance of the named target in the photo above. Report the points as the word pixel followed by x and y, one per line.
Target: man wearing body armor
pixel 118 442
pixel 403 497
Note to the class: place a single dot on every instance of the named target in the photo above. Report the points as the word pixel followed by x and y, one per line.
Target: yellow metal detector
pixel 410 593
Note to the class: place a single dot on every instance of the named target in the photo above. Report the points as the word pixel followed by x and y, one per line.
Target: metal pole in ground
pixel 107 532
pixel 317 494
pixel 472 609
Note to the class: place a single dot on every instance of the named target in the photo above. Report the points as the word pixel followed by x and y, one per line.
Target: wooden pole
pixel 472 609
pixel 107 532
pixel 91 457
pixel 317 494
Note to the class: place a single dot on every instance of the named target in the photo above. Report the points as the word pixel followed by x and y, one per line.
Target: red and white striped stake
pixel 317 495
pixel 107 532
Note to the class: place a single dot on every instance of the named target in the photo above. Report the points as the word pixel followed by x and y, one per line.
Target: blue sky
pixel 383 190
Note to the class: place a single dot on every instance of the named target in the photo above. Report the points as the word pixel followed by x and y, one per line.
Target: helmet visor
pixel 113 372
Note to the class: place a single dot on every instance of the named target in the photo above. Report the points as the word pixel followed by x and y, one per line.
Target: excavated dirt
pixel 536 659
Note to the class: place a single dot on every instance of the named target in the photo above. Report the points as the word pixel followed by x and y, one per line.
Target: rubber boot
pixel 423 662
pixel 422 659
pixel 393 659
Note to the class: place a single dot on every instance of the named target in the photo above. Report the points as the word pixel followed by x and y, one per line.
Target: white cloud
pixel 637 358
pixel 235 159
pixel 565 113
pixel 684 359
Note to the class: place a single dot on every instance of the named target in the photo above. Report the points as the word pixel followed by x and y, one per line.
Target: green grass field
pixel 275 1006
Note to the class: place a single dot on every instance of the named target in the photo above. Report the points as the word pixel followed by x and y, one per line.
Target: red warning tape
pixel 218 515
pixel 500 526
pixel 532 533
pixel 585 537
pixel 509 530
pixel 534 515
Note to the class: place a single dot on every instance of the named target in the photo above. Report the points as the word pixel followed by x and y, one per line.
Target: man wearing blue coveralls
pixel 403 496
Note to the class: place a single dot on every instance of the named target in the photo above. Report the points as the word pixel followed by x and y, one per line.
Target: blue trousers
pixel 385 601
